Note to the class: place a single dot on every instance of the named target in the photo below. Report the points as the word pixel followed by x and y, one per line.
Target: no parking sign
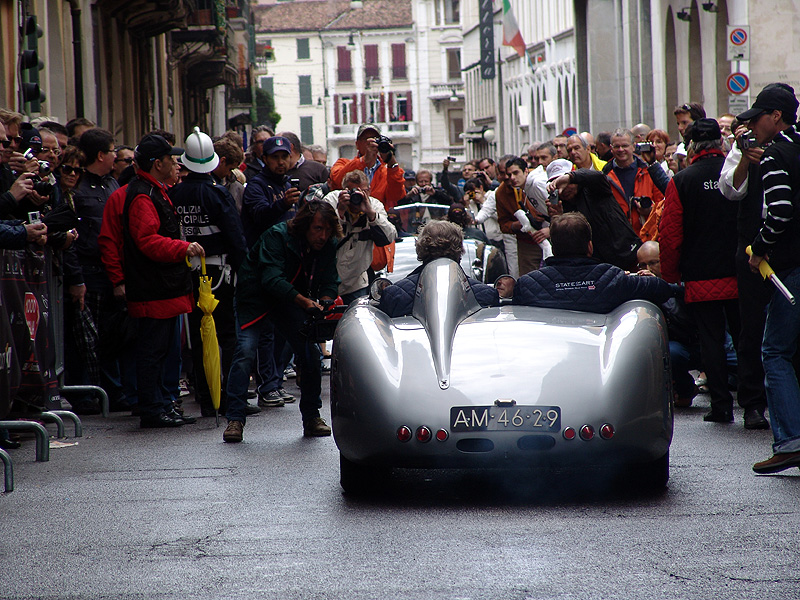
pixel 737 83
pixel 738 42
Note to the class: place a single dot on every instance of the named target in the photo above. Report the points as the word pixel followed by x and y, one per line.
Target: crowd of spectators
pixel 281 233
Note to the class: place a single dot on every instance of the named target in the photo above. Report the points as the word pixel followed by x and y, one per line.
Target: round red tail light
pixel 442 435
pixel 607 431
pixel 569 433
pixel 587 432
pixel 423 434
pixel 403 433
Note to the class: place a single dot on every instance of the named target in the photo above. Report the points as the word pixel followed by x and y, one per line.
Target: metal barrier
pixel 65 414
pixel 42 437
pixel 9 470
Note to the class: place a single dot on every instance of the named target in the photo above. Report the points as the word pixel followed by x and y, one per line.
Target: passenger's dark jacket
pixel 209 217
pixel 279 267
pixel 263 204
pixel 308 172
pixel 397 300
pixel 613 238
pixel 13 235
pixel 588 285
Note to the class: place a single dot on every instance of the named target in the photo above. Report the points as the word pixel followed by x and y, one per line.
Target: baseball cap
pixel 30 137
pixel 367 127
pixel 277 143
pixel 704 130
pixel 409 175
pixel 557 168
pixel 152 147
pixel 775 96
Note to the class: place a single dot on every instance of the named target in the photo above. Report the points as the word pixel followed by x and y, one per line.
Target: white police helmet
pixel 199 156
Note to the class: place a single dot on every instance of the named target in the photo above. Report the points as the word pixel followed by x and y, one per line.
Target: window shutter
pixel 354 108
pixel 392 116
pixel 344 70
pixel 383 118
pixel 363 108
pixel 371 67
pixel 399 61
pixel 307 130
pixel 409 112
pixel 304 83
pixel 336 116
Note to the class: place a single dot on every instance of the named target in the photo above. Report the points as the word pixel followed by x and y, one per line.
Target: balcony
pixel 445 91
pixel 397 130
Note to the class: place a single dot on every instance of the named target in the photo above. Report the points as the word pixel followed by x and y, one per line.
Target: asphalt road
pixel 174 514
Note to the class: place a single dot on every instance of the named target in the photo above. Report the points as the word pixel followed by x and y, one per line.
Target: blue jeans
pixel 287 321
pixel 781 333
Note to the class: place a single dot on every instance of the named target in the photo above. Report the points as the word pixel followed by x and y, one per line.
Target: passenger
pixel 573 280
pixel 505 288
pixel 438 239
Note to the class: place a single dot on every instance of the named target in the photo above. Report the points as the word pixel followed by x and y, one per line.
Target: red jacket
pixel 387 184
pixel 110 238
pixel 143 228
pixel 643 186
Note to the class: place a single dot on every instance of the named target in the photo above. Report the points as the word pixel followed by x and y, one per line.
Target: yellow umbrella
pixel 208 333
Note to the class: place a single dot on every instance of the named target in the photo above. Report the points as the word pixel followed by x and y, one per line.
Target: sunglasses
pixel 15 140
pixel 128 161
pixel 6 143
pixel 68 170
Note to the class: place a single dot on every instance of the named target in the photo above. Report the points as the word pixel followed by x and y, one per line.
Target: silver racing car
pixel 455 385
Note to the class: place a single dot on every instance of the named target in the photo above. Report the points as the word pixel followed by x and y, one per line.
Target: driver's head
pixel 571 236
pixel 440 239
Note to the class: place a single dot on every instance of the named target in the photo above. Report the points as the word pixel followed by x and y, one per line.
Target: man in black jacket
pixel 573 280
pixel 772 118
pixel 589 192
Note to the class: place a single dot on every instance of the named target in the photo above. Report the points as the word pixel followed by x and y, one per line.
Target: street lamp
pixel 710 7
pixel 684 14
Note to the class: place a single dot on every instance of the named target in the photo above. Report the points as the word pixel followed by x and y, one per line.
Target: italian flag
pixel 511 35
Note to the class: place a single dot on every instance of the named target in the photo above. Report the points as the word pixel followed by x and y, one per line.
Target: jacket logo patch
pixel 571 285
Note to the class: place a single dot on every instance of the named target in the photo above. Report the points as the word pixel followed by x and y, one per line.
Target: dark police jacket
pixel 209 216
pixel 588 285
pixel 397 300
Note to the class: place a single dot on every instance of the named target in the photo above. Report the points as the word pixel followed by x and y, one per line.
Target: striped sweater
pixel 779 237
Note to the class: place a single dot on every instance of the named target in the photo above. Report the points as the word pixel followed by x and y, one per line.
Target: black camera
pixel 385 145
pixel 356 197
pixel 746 141
pixel 452 159
pixel 294 182
pixel 644 201
pixel 643 147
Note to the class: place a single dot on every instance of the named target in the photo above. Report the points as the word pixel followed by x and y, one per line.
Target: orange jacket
pixel 643 186
pixel 387 184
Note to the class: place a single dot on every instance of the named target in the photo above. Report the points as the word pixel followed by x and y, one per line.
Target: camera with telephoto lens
pixel 643 147
pixel 746 141
pixel 385 145
pixel 356 197
pixel 40 186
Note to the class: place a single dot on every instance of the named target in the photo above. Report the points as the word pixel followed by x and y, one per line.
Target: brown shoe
pixel 778 462
pixel 233 432
pixel 683 401
pixel 316 427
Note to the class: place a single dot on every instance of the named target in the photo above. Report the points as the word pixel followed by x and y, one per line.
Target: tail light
pixel 442 435
pixel 587 432
pixel 423 434
pixel 569 433
pixel 607 431
pixel 403 433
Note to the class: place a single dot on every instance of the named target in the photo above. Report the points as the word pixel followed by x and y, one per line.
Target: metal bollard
pixel 9 470
pixel 42 437
pixel 66 414
pixel 98 391
pixel 50 417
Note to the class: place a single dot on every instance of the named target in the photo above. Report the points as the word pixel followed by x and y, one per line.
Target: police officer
pixel 208 215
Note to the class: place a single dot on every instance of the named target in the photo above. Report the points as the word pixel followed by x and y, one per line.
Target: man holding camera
pixel 376 158
pixel 365 225
pixel 638 186
pixel 773 118
pixel 698 246
pixel 424 191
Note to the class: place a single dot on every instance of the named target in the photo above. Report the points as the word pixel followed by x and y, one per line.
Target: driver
pixel 438 239
pixel 573 280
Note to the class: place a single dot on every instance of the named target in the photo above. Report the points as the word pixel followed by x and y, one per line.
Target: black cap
pixel 277 143
pixel 705 130
pixel 30 137
pixel 152 147
pixel 775 96
pixel 409 175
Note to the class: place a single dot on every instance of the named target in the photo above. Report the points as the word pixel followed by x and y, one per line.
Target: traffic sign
pixel 737 83
pixel 738 104
pixel 738 42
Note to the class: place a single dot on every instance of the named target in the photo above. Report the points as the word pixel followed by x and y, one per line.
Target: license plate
pixel 505 418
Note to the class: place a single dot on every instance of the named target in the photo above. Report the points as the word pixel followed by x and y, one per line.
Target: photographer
pixel 376 158
pixel 638 184
pixel 423 191
pixel 365 225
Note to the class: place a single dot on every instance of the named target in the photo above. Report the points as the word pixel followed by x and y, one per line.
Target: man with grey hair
pixel 545 154
pixel 318 153
pixel 581 156
pixel 438 239
pixel 254 159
